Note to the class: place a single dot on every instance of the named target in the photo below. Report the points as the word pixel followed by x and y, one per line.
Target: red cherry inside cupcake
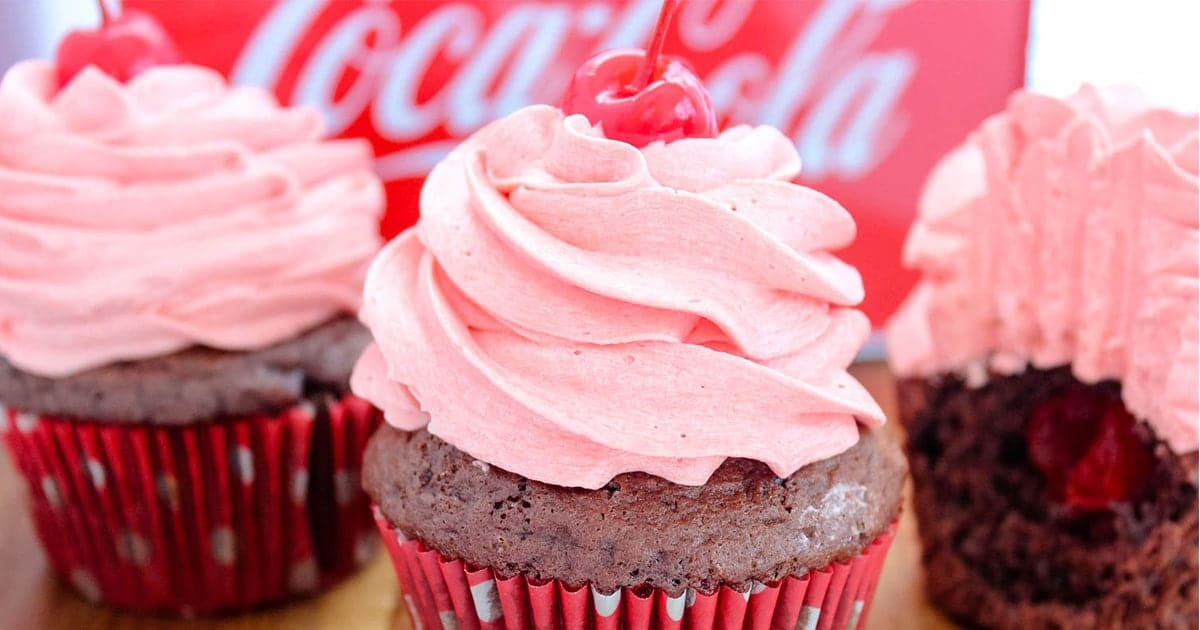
pixel 122 47
pixel 641 96
pixel 1084 443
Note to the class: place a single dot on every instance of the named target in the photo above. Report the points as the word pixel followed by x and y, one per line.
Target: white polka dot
pixel 308 411
pixel 809 617
pixel 487 601
pixel 449 620
pixel 83 582
pixel 133 549
pixel 167 488
pixel 303 577
pixel 224 546
pixel 26 422
pixel 345 486
pixel 95 472
pixel 606 605
pixel 675 606
pixel 746 595
pixel 757 587
pixel 855 614
pixel 300 486
pixel 243 462
pixel 412 613
pixel 364 548
pixel 50 490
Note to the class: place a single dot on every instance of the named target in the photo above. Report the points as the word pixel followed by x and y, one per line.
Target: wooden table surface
pixel 31 599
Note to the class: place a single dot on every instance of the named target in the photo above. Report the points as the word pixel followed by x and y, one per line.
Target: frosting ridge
pixel 1064 232
pixel 142 218
pixel 562 311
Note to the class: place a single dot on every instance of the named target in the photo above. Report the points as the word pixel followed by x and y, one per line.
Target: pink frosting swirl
pixel 1064 232
pixel 570 307
pixel 138 219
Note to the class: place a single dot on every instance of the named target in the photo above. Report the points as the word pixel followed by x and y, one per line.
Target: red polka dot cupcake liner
pixel 446 593
pixel 201 518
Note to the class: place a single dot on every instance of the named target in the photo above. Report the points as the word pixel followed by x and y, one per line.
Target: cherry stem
pixel 105 13
pixel 650 63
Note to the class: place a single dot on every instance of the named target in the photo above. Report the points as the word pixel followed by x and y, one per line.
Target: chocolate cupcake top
pixel 744 525
pixel 140 219
pixel 1064 232
pixel 196 384
pixel 571 307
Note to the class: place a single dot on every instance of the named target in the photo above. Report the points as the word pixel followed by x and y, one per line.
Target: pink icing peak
pixel 138 219
pixel 562 312
pixel 1064 232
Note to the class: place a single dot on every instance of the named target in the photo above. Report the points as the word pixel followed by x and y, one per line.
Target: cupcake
pixel 1048 366
pixel 614 380
pixel 180 262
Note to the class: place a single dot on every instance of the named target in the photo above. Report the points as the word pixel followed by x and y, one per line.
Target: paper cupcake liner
pixel 199 518
pixel 446 593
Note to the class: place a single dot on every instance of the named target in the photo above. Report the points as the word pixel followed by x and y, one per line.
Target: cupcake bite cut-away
pixel 1048 360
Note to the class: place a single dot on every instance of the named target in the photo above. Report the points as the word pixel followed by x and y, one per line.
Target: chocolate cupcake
pixel 180 259
pixel 616 391
pixel 638 529
pixel 1048 365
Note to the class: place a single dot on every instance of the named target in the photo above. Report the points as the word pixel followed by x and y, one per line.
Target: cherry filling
pixel 122 47
pixel 1084 443
pixel 642 96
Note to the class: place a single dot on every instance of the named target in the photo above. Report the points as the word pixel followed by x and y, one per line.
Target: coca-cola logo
pixel 424 83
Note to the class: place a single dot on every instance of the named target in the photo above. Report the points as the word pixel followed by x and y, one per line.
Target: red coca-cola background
pixel 873 91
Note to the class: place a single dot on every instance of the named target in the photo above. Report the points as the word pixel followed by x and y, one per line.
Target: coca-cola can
pixel 872 91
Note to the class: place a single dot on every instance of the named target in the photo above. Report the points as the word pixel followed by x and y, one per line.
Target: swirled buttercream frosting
pixel 138 219
pixel 570 307
pixel 1064 232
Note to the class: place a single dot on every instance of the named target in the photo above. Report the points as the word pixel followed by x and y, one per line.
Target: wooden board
pixel 31 599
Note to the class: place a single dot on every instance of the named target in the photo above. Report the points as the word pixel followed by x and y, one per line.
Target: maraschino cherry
pixel 122 47
pixel 1083 441
pixel 640 96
